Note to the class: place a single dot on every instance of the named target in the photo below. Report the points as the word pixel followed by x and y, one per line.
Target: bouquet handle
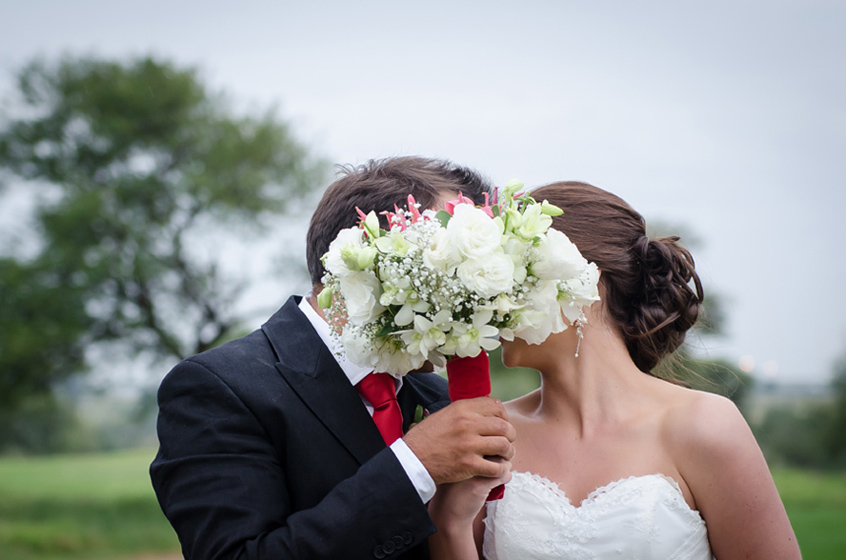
pixel 470 378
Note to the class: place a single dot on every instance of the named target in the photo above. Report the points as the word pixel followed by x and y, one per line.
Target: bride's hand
pixel 457 510
pixel 457 504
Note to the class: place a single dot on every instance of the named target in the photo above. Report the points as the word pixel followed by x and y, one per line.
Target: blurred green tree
pixel 836 435
pixel 795 435
pixel 130 165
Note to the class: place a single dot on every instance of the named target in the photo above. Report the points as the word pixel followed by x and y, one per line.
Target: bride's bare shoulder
pixel 701 422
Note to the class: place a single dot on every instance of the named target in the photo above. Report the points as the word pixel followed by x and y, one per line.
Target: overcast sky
pixel 728 118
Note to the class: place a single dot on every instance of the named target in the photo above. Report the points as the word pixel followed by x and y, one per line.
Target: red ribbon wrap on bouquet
pixel 470 378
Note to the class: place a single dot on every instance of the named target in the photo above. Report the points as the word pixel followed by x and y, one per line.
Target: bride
pixel 610 461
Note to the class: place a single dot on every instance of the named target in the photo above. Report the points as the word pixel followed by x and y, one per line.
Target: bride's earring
pixel 580 324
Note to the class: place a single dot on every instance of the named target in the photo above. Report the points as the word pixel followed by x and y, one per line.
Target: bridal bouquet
pixel 451 283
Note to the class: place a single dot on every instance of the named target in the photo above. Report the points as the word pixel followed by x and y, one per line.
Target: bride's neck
pixel 593 388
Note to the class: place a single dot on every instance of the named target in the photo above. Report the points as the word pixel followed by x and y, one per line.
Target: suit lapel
pixel 313 374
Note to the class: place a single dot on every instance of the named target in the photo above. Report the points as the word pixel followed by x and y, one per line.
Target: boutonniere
pixel 420 414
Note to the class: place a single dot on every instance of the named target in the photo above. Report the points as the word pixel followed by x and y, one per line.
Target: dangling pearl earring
pixel 580 323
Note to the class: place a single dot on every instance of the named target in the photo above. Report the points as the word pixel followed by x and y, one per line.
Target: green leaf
pixel 444 217
pixel 387 329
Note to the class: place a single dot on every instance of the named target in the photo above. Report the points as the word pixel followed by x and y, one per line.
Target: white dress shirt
pixel 417 473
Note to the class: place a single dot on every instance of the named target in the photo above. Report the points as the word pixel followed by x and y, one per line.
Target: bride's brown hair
pixel 645 283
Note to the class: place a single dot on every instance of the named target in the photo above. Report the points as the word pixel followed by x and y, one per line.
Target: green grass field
pixel 101 506
pixel 81 506
pixel 816 505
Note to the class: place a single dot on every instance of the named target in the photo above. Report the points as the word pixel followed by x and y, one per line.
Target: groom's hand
pixel 452 443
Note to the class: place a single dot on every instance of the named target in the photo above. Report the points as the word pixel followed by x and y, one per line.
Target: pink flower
pixel 487 207
pixel 450 206
pixel 396 218
pixel 412 207
pixel 361 214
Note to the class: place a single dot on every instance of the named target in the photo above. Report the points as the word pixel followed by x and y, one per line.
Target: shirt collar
pixel 354 373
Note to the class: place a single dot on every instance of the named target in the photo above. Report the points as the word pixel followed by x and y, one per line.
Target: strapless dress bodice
pixel 637 518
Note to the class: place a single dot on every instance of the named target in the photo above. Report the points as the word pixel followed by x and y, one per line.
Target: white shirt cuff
pixel 417 473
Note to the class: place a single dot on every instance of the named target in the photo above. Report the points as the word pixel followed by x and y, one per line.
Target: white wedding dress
pixel 637 518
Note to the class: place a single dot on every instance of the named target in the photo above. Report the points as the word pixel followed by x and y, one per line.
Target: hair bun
pixel 650 290
pixel 669 305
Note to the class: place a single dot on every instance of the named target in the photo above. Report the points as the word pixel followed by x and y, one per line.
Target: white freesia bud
pixel 512 187
pixel 534 223
pixel 349 239
pixel 358 258
pixel 324 298
pixel 371 224
pixel 550 209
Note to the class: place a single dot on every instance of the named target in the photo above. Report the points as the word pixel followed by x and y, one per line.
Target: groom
pixel 272 448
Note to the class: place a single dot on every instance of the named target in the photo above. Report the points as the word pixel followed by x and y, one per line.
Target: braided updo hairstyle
pixel 644 283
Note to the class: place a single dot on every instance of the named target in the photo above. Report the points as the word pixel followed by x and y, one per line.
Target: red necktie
pixel 380 390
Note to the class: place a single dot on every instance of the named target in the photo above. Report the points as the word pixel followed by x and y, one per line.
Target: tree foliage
pixel 130 165
pixel 836 433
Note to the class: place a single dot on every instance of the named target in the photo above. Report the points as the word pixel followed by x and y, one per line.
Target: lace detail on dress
pixel 637 518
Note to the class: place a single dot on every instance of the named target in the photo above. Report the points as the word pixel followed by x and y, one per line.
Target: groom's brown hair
pixel 379 185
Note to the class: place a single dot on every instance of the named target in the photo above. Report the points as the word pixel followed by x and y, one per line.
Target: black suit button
pixel 407 537
pixel 389 547
pixel 379 552
pixel 398 542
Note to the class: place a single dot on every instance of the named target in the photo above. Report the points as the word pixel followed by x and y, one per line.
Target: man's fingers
pixel 495 447
pixel 453 443
pixel 490 468
pixel 483 406
pixel 495 426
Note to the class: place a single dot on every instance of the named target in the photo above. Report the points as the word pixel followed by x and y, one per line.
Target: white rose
pixel 488 276
pixel 558 258
pixel 361 291
pixel 334 261
pixel 441 254
pixel 541 316
pixel 357 347
pixel 473 233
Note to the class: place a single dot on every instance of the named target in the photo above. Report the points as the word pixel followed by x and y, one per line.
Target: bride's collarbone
pixel 580 487
pixel 579 468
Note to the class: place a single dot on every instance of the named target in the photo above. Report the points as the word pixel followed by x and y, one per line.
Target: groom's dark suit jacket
pixel 268 452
